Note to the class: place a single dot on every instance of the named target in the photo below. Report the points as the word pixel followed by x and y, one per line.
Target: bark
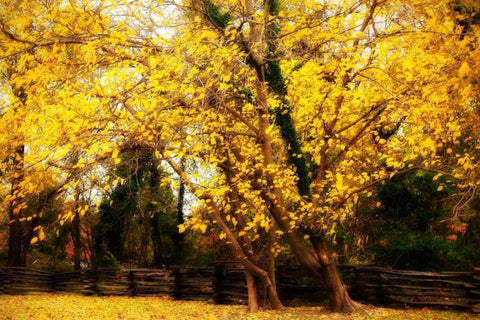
pixel 339 298
pixel 252 292
pixel 270 255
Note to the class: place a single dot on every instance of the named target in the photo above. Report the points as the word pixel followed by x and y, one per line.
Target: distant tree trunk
pixel 98 247
pixel 14 213
pixel 157 240
pixel 179 237
pixel 77 244
pixel 144 238
pixel 180 204
pixel 14 241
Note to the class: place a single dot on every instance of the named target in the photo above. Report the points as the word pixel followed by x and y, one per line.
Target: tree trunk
pixel 15 242
pixel 144 238
pixel 16 227
pixel 179 237
pixel 270 255
pixel 252 292
pixel 77 246
pixel 157 241
pixel 321 265
pixel 339 299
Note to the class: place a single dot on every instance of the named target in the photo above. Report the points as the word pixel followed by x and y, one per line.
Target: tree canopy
pixel 290 111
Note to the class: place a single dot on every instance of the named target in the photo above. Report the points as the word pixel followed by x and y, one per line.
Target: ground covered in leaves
pixel 60 306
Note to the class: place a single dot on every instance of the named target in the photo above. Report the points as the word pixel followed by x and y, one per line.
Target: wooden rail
pixel 226 285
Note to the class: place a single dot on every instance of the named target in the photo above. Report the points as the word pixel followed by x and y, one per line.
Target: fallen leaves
pixel 68 306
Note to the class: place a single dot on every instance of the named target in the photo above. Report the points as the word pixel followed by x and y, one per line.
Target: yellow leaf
pixel 34 240
pixel 181 228
pixel 463 70
pixel 41 235
pixel 440 188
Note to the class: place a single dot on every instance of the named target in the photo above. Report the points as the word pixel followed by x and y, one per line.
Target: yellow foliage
pixel 82 85
pixel 67 306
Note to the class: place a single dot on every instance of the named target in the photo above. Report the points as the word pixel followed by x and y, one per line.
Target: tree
pixel 294 109
pixel 348 96
pixel 137 217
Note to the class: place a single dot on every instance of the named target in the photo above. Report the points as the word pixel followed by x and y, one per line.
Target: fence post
pixel 8 281
pixel 91 278
pixel 177 295
pixel 131 287
pixel 354 288
pixel 218 273
pixel 2 281
pixel 53 281
pixel 474 293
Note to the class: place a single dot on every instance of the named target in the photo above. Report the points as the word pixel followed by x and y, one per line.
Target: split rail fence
pixel 224 284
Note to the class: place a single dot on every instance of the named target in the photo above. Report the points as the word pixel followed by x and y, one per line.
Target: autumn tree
pixel 347 94
pixel 291 110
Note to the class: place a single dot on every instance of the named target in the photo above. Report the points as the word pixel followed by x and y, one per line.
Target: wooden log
pixel 413 293
pixel 475 308
pixel 438 303
pixel 429 281
pixel 474 294
pixel 414 273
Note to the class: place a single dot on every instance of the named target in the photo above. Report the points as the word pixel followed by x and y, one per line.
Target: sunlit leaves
pixel 75 306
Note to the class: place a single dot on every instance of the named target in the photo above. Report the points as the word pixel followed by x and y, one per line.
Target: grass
pixel 67 306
